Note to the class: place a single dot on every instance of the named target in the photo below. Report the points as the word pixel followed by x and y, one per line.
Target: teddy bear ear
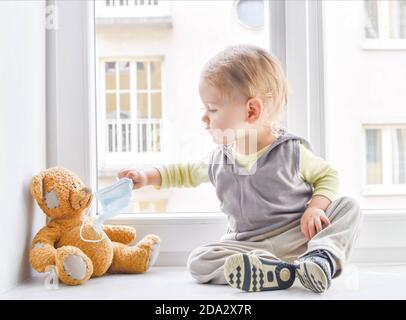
pixel 74 200
pixel 37 187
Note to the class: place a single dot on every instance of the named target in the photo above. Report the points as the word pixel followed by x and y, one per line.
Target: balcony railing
pixel 132 10
pixel 141 136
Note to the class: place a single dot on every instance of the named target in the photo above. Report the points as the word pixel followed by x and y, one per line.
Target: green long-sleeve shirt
pixel 313 170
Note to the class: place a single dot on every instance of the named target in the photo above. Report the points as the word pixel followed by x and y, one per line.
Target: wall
pixel 362 86
pixel 22 131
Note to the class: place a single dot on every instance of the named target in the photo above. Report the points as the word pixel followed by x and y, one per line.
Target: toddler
pixel 285 220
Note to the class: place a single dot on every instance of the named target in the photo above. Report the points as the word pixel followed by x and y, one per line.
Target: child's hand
pixel 139 178
pixel 313 221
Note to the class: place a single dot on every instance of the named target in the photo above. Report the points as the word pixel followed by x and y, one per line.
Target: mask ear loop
pixel 93 219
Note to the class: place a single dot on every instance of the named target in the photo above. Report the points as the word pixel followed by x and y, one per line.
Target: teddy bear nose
pixel 87 190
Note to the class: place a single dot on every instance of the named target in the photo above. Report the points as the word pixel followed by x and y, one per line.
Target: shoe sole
pixel 251 273
pixel 312 276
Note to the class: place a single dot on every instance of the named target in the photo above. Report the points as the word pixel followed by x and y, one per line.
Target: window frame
pixel 71 103
pixel 71 90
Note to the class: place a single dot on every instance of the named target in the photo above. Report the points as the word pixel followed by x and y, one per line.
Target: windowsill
pixel 384 214
pixel 382 194
pixel 384 44
pixel 379 191
pixel 221 218
pixel 170 218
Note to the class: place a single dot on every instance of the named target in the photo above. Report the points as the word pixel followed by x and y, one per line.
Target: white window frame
pixel 387 188
pixel 71 119
pixel 384 42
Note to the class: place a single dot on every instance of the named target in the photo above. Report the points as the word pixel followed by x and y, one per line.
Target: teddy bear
pixel 64 198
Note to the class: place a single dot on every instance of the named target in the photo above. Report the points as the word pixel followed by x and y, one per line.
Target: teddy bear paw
pixel 73 266
pixel 151 243
pixel 154 254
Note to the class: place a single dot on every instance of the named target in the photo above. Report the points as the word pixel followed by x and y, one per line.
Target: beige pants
pixel 287 243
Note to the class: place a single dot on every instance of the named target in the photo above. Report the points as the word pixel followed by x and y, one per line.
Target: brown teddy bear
pixel 64 199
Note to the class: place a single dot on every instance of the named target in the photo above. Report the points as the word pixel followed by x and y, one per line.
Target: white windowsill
pixel 384 190
pixel 384 44
pixel 384 214
pixel 170 218
pixel 219 217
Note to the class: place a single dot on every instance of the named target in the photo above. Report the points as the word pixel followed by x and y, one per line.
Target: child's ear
pixel 254 109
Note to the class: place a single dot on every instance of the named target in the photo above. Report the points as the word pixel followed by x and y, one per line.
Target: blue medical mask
pixel 113 199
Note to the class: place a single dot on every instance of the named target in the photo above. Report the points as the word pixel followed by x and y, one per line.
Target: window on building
pixel 399 155
pixel 386 158
pixel 251 13
pixel 374 156
pixel 133 106
pixel 371 19
pixel 385 19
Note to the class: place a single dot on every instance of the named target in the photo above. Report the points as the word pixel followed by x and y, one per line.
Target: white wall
pixel 22 131
pixel 362 86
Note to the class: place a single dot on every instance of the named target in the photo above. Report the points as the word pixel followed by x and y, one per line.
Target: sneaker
pixel 314 271
pixel 252 273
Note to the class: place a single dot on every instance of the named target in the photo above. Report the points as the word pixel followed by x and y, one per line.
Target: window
pixel 374 156
pixel 385 21
pixel 149 55
pixel 371 19
pixel 399 155
pixel 385 159
pixel 251 13
pixel 133 108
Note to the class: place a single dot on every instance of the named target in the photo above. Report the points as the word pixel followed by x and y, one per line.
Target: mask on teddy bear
pixel 113 199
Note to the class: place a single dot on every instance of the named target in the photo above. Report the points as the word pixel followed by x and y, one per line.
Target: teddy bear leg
pixel 135 259
pixel 41 256
pixel 73 266
pixel 153 242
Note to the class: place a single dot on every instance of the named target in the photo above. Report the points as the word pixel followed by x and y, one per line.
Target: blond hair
pixel 252 71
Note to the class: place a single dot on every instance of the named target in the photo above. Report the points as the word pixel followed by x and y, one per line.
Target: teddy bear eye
pixel 51 200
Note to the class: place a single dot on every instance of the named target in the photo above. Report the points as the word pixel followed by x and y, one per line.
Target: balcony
pixel 133 12
pixel 130 142
pixel 121 134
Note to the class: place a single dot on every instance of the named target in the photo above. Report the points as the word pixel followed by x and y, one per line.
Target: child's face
pixel 223 118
